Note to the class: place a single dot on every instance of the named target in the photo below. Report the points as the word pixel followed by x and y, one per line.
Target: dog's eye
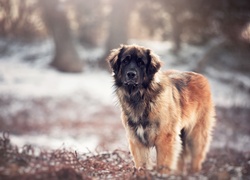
pixel 126 60
pixel 140 62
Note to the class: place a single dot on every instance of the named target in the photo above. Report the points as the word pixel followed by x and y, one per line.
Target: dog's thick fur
pixel 171 111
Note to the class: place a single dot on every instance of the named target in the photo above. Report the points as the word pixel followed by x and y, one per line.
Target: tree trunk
pixel 66 58
pixel 118 27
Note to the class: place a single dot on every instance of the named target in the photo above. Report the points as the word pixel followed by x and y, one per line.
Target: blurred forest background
pixel 109 23
pixel 56 95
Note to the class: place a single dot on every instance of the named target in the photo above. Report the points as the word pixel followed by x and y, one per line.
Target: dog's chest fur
pixel 137 111
pixel 144 130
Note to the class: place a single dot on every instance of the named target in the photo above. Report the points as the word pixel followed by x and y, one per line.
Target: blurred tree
pixel 188 20
pixel 90 24
pixel 154 18
pixel 233 17
pixel 118 25
pixel 66 58
pixel 196 21
pixel 20 19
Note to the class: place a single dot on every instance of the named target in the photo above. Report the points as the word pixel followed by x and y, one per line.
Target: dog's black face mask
pixel 133 67
pixel 133 64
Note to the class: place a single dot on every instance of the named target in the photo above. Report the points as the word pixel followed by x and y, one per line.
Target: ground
pixel 69 124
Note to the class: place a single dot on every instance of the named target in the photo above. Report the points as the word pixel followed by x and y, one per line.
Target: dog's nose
pixel 131 74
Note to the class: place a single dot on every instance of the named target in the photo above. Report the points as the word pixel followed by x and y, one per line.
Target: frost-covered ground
pixel 51 109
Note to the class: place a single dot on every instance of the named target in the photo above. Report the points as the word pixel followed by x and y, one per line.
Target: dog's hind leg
pixel 183 154
pixel 199 142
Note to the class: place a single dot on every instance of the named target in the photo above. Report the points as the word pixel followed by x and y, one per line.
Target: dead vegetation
pixel 30 163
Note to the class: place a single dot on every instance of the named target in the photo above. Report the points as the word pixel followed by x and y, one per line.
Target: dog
pixel 172 111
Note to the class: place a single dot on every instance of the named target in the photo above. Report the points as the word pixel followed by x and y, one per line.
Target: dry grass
pixel 60 164
pixel 26 163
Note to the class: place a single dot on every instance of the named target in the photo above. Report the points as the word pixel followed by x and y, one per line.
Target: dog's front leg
pixel 140 153
pixel 168 148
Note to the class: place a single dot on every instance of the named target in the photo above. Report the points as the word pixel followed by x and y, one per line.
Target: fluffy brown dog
pixel 171 111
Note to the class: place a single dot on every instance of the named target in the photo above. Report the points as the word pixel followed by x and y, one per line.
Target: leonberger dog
pixel 172 111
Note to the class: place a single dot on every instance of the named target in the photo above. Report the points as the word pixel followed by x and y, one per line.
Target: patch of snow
pixel 90 54
pixel 61 140
pixel 39 51
pixel 239 143
pixel 227 94
pixel 20 79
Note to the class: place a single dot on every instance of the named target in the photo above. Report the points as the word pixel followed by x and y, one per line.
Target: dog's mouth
pixel 131 87
pixel 131 83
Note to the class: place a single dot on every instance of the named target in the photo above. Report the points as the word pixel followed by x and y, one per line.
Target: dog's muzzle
pixel 131 78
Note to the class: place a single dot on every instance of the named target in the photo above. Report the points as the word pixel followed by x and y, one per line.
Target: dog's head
pixel 133 66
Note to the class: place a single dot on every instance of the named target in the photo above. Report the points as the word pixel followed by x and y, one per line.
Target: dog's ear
pixel 113 59
pixel 154 62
